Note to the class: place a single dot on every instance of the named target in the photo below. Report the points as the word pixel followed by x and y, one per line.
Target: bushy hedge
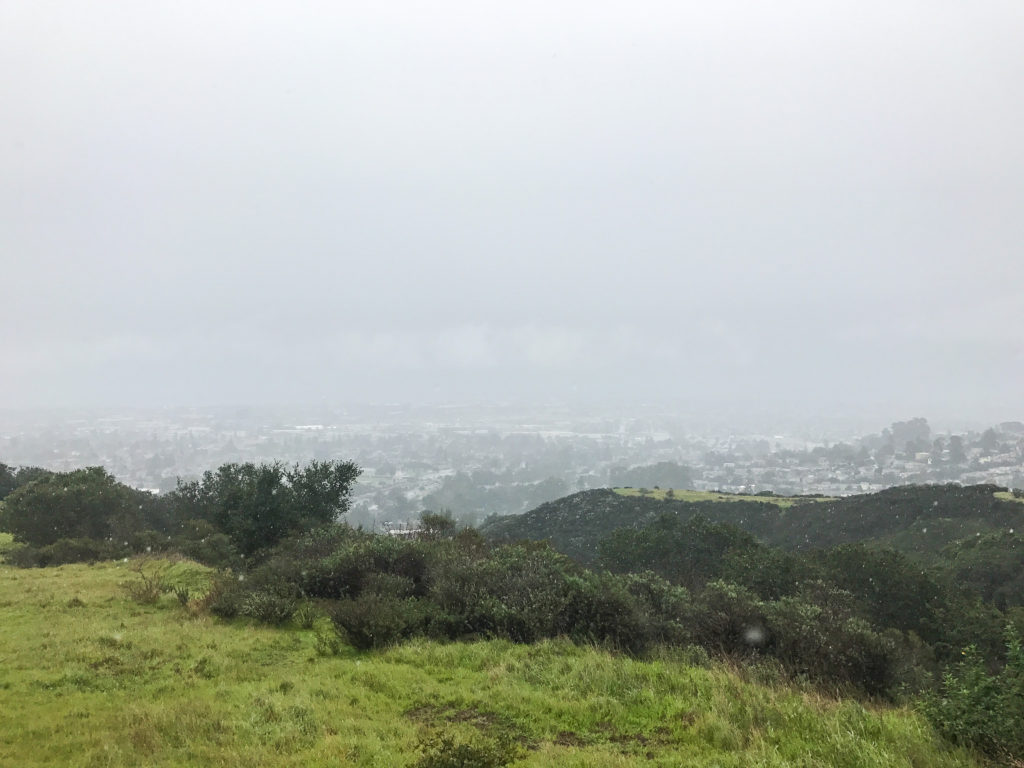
pixel 378 590
pixel 65 551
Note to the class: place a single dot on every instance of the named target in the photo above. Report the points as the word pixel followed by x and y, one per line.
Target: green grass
pixel 1008 496
pixel 685 495
pixel 89 678
pixel 6 542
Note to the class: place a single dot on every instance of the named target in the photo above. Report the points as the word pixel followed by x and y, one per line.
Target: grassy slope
pixel 680 494
pixel 88 678
pixel 1008 496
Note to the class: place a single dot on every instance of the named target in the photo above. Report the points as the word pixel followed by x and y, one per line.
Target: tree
pixel 87 503
pixel 12 479
pixel 685 552
pixel 258 505
pixel 8 481
pixel 437 526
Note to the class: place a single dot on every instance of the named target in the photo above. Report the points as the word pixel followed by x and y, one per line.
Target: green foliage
pixel 12 478
pixel 269 606
pixel 991 565
pixel 905 514
pixel 305 615
pixel 84 504
pixel 113 684
pixel 256 506
pixel 768 572
pixel 688 552
pixel 979 709
pixel 920 519
pixel 598 608
pixel 225 598
pixel 326 640
pixel 834 647
pixel 437 526
pixel 8 480
pixel 151 582
pixel 64 551
pixel 379 590
pixel 895 590
pixel 373 621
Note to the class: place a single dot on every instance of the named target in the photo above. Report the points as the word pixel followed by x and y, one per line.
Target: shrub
pixel 811 640
pixel 213 549
pixel 339 575
pixel 225 598
pixel 305 615
pixel 599 609
pixel 81 551
pixel 371 621
pixel 268 606
pixel 666 606
pixel 149 541
pixel 389 585
pixel 729 619
pixel 975 708
pixel 150 584
pixel 24 556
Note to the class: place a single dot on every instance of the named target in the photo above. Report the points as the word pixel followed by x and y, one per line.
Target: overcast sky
pixel 803 203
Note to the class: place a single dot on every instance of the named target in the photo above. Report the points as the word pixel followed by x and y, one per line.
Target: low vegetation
pixel 790 593
pixel 96 679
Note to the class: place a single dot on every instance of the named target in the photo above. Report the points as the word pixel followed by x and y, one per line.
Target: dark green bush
pixel 811 640
pixel 729 619
pixel 338 575
pixel 667 607
pixel 225 598
pixel 599 609
pixel 80 551
pixel 149 541
pixel 24 556
pixel 213 549
pixel 371 621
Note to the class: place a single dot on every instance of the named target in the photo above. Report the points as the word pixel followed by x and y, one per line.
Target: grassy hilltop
pixel 89 677
pixel 682 494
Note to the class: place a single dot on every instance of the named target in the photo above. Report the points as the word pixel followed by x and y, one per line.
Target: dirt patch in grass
pixel 488 723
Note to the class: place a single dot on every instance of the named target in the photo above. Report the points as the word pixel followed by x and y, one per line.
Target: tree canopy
pixel 257 505
pixel 86 503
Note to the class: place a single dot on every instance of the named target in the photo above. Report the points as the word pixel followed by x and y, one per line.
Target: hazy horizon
pixel 732 206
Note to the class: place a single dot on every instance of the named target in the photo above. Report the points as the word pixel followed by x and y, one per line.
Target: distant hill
pixel 575 524
pixel 920 519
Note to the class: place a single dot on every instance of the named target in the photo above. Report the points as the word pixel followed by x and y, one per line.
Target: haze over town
pixel 727 208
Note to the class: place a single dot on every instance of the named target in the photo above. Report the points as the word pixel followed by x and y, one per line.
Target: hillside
pixel 90 678
pixel 918 518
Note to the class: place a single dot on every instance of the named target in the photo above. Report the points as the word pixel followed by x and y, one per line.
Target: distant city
pixel 476 461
